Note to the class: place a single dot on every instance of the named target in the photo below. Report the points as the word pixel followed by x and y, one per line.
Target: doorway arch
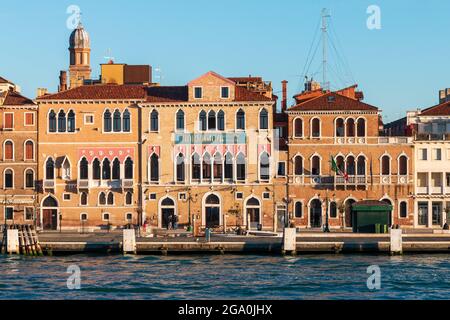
pixel 389 202
pixel 212 215
pixel 315 213
pixel 253 212
pixel 49 213
pixel 167 211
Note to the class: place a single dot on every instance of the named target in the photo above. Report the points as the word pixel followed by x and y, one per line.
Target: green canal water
pixel 225 277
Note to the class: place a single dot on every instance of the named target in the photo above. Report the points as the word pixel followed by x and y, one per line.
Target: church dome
pixel 79 39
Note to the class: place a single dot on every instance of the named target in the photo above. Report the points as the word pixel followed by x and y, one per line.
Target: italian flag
pixel 337 170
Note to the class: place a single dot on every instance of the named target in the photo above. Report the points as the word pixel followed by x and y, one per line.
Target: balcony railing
pixel 83 184
pixel 49 184
pixel 433 137
pixel 127 183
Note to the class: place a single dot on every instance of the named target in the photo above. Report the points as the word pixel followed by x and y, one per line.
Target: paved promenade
pixel 183 242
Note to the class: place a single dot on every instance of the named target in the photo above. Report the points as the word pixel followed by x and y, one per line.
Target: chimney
pixel 284 101
pixel 62 81
pixel 41 92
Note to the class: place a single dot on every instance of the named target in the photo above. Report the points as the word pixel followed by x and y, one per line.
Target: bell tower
pixel 80 57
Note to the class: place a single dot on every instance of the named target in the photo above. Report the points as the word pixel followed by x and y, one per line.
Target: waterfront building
pixel 327 126
pixel 208 152
pixel 18 147
pixel 431 129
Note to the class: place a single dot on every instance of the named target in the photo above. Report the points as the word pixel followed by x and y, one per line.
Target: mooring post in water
pixel 129 241
pixel 289 241
pixel 12 241
pixel 396 241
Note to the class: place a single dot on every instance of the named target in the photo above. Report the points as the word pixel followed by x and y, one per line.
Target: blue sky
pixel 400 67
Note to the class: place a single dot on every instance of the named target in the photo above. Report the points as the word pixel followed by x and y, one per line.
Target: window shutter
pixel 29 151
pixel 9 120
pixel 8 151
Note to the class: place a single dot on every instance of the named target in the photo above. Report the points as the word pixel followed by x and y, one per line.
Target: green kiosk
pixel 371 216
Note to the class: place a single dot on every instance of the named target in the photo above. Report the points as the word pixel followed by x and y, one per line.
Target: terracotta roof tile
pixel 3 80
pixel 12 98
pixel 332 101
pixel 242 94
pixel 100 92
pixel 442 109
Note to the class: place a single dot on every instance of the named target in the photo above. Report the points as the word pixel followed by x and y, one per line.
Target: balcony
pixel 436 190
pixel 352 180
pixel 394 140
pixel 422 190
pixel 127 183
pixel 432 137
pixel 49 184
pixel 350 140
pixel 83 184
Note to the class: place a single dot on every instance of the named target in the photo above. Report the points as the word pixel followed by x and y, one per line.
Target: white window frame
pixel 25 119
pixel 224 87
pixel 193 93
pixel 4 121
pixel 285 169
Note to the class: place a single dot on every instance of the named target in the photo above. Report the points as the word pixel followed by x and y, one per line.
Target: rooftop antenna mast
pixel 325 15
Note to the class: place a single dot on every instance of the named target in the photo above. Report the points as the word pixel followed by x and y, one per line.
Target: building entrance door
pixel 50 219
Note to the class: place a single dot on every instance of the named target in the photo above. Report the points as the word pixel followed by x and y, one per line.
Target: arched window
pixel 8 153
pixel 52 121
pixel 102 199
pixel 350 127
pixel 29 150
pixel 29 179
pixel 264 166
pixel 62 121
pixel 241 173
pixel 202 121
pixel 71 121
pixel 385 165
pixel 196 167
pixel 116 169
pixel 180 168
pixel 333 210
pixel 206 167
pixel 298 128
pixel 315 166
pixel 264 119
pixel 298 165
pixel 403 209
pixel 403 165
pixel 50 169
pixel 361 127
pixel 154 168
pixel 340 163
pixel 9 179
pixel 361 166
pixel 351 166
pixel 83 199
pixel 221 120
pixel 180 120
pixel 211 120
pixel 110 199
pixel 315 128
pixel 154 121
pixel 212 199
pixel 240 120
pixel 228 166
pixel 117 121
pixel 84 171
pixel 126 121
pixel 65 169
pixel 106 169
pixel 298 209
pixel 128 199
pixel 217 170
pixel 96 169
pixel 128 169
pixel 340 127
pixel 107 121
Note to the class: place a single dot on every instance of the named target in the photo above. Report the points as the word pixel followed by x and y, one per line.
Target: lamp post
pixel 327 213
pixel 190 199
